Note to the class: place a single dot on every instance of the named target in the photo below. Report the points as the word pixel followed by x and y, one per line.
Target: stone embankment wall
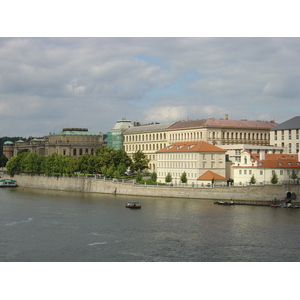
pixel 82 184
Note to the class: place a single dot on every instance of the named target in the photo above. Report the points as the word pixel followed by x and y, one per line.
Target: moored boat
pixel 220 202
pixel 8 183
pixel 133 205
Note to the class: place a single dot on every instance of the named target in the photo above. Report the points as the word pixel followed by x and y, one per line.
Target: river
pixel 54 226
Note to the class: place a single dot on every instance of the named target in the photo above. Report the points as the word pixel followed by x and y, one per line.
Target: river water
pixel 52 226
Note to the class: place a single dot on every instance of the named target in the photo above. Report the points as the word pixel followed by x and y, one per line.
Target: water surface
pixel 53 226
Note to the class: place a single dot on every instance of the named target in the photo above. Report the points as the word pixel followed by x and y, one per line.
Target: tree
pixel 274 178
pixel 294 176
pixel 183 178
pixel 138 176
pixel 154 177
pixel 140 161
pixel 168 178
pixel 252 179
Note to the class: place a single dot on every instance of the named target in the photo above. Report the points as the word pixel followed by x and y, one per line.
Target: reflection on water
pixel 38 225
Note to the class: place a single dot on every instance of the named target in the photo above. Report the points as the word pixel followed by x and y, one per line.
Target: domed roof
pixel 8 143
pixel 20 141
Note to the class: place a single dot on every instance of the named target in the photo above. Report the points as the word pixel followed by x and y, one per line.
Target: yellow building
pixel 148 139
pixel 193 158
pixel 151 138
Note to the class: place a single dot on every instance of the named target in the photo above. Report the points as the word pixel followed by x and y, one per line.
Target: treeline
pixel 110 162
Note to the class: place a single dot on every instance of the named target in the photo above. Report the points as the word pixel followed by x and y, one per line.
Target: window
pixel 261 172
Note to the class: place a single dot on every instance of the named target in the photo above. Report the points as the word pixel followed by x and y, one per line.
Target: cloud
pixel 93 82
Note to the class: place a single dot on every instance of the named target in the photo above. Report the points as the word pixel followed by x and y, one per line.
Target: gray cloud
pixel 50 83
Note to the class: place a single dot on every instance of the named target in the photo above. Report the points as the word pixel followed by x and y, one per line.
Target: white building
pixel 263 166
pixel 193 158
pixel 286 135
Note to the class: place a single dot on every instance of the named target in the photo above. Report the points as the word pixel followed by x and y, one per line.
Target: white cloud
pixel 93 82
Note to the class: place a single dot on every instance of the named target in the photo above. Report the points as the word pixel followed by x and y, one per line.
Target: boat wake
pixel 20 222
pixel 98 243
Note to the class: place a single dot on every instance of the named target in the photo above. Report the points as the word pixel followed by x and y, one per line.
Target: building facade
pixel 115 137
pixel 70 141
pixel 220 132
pixel 148 139
pixel 263 166
pixel 193 158
pixel 286 135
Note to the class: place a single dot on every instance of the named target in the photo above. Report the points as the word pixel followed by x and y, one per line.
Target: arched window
pixel 74 152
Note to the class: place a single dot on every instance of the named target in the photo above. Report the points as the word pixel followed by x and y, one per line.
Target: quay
pixel 248 194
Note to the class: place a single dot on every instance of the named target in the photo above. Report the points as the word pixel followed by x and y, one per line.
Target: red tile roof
pixel 209 175
pixel 191 147
pixel 277 161
pixel 223 123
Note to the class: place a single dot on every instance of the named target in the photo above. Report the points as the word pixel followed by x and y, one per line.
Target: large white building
pixel 286 135
pixel 193 158
pixel 263 166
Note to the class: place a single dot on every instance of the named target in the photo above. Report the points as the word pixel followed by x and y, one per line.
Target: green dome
pixel 8 143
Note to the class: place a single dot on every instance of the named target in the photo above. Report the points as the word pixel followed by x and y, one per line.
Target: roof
pixel 209 175
pixel 277 161
pixel 122 125
pixel 74 131
pixel 293 123
pixel 148 128
pixel 223 123
pixel 8 143
pixel 191 147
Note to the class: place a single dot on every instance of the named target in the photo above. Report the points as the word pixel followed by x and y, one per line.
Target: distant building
pixel 202 162
pixel 286 135
pixel 263 166
pixel 221 131
pixel 115 137
pixel 70 141
pixel 150 138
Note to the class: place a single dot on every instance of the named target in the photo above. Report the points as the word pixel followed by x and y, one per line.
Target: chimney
pixel 226 116
pixel 261 155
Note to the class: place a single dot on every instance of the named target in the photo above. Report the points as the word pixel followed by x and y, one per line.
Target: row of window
pixel 261 172
pixel 177 175
pixel 289 133
pixel 145 147
pixel 145 137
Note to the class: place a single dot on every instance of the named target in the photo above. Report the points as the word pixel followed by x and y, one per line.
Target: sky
pixel 49 83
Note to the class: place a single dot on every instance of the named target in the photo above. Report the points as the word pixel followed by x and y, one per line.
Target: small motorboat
pixel 220 202
pixel 133 205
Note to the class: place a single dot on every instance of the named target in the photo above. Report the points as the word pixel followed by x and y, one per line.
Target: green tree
pixel 154 177
pixel 274 178
pixel 138 176
pixel 12 166
pixel 183 178
pixel 252 179
pixel 168 178
pixel 140 161
pixel 294 176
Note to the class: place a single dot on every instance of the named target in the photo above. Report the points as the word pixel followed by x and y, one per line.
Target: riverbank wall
pixel 93 185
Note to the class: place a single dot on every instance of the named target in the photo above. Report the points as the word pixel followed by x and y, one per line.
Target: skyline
pixel 47 84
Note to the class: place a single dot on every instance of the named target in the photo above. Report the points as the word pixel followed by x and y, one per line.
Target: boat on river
pixel 285 205
pixel 135 205
pixel 8 183
pixel 220 202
